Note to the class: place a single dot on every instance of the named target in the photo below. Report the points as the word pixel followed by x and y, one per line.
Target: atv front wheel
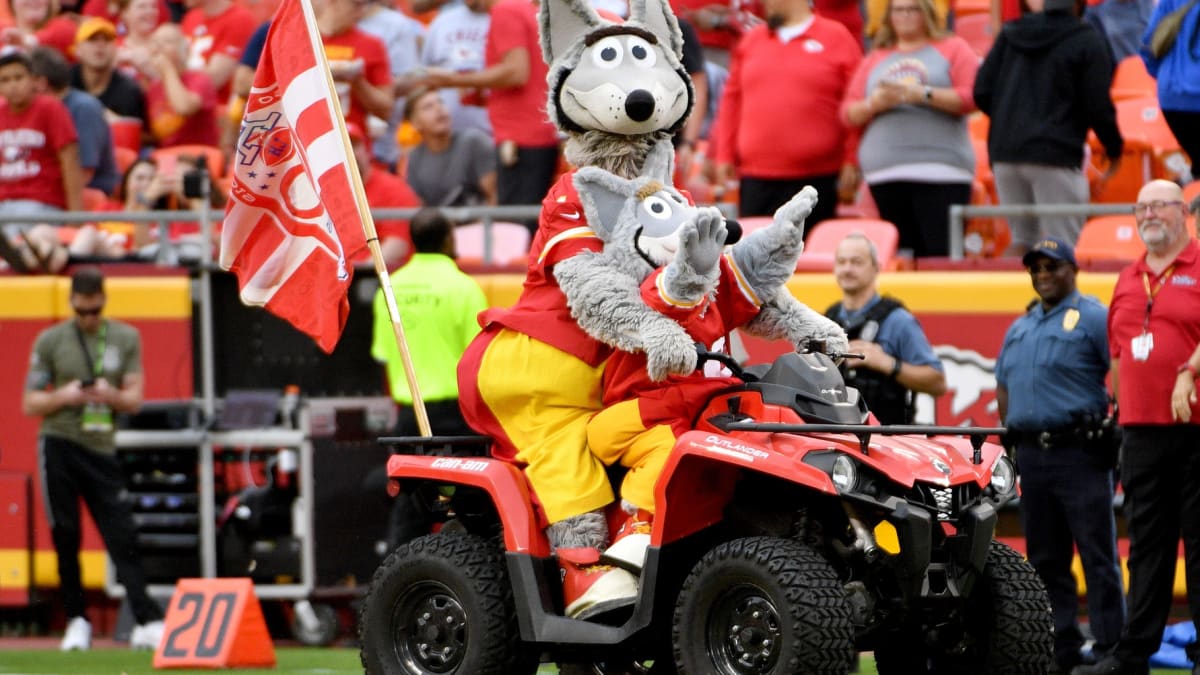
pixel 763 605
pixel 442 604
pixel 1007 628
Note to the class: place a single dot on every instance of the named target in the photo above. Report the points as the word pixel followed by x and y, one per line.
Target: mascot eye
pixel 642 53
pixel 607 53
pixel 657 208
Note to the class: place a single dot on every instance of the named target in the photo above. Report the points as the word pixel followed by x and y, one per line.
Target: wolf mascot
pixel 532 379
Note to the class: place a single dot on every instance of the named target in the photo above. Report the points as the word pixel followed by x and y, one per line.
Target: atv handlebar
pixel 704 355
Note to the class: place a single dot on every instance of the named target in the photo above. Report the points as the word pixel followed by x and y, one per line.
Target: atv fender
pixel 698 480
pixel 503 481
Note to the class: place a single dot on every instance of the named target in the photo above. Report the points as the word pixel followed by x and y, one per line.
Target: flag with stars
pixel 292 220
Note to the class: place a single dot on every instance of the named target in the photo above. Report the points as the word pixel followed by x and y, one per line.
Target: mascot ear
pixel 562 23
pixel 604 196
pixel 657 17
pixel 660 162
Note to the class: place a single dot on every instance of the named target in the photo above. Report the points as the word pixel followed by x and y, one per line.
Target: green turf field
pixel 290 660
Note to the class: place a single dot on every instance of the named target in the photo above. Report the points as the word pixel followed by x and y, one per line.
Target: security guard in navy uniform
pixel 1051 394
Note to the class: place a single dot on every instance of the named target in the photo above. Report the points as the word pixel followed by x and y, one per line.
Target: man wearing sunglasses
pixel 1153 334
pixel 82 372
pixel 1051 394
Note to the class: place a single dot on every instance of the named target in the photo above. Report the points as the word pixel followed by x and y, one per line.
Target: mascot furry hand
pixel 645 225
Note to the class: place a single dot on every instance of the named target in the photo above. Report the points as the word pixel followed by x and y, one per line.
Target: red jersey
pixel 100 8
pixel 541 312
pixel 798 84
pixel 352 45
pixel 171 128
pixel 518 113
pixel 29 145
pixel 388 191
pixel 677 399
pixel 226 33
pixel 1147 379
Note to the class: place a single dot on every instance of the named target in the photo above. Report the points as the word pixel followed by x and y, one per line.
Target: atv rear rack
pixel 864 432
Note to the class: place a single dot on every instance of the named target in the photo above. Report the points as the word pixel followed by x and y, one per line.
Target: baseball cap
pixel 1050 247
pixel 94 25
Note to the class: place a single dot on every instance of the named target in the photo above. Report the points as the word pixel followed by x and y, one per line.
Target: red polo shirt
pixel 1174 323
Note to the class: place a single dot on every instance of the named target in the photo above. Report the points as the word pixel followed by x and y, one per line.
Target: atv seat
pixel 449 446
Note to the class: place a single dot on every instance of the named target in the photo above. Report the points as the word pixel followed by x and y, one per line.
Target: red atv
pixel 790 533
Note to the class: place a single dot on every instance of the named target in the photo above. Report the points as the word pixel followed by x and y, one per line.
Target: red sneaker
pixel 628 549
pixel 591 588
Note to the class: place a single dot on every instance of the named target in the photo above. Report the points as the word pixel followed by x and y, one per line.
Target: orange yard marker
pixel 215 623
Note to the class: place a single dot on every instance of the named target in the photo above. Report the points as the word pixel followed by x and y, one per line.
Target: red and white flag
pixel 293 220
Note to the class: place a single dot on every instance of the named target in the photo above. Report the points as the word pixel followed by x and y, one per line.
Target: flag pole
pixel 368 225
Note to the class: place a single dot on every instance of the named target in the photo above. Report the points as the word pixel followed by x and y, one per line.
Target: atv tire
pixel 1008 628
pixel 762 605
pixel 442 604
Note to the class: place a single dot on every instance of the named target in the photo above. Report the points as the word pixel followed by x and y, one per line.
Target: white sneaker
pixel 78 635
pixel 146 636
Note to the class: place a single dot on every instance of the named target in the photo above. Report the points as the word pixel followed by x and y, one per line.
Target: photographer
pixel 82 373
pixel 1051 394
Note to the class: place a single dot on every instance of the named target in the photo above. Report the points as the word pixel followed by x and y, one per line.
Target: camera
pixel 195 179
pixel 87 382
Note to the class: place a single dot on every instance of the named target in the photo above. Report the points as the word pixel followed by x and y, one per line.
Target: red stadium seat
pixel 976 29
pixel 169 157
pixel 124 158
pixel 822 242
pixel 1131 80
pixel 126 133
pixel 1109 238
pixel 510 242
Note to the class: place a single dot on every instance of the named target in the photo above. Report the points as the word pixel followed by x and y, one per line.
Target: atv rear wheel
pixel 442 604
pixel 762 605
pixel 1007 628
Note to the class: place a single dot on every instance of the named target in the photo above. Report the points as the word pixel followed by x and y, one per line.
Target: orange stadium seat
pixel 95 200
pixel 821 244
pixel 978 125
pixel 1131 80
pixel 1191 191
pixel 976 29
pixel 126 133
pixel 167 158
pixel 1109 238
pixel 510 243
pixel 969 7
pixel 124 158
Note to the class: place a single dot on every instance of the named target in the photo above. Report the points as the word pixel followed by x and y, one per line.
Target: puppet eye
pixel 641 51
pixel 677 197
pixel 607 53
pixel 657 208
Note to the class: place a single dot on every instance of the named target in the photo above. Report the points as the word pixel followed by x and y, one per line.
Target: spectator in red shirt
pixel 110 10
pixel 790 73
pixel 38 22
pixel 180 103
pixel 358 62
pixel 515 76
pixel 217 31
pixel 383 191
pixel 39 151
pixel 139 18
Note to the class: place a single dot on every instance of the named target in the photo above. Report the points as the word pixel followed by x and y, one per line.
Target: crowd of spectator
pixel 866 101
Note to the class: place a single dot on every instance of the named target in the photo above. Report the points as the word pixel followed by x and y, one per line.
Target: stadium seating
pixel 1109 238
pixel 124 158
pixel 1151 151
pixel 821 244
pixel 1132 81
pixel 126 133
pixel 969 7
pixel 169 157
pixel 976 30
pixel 510 243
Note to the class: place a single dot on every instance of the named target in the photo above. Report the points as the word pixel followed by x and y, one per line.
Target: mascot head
pixel 617 78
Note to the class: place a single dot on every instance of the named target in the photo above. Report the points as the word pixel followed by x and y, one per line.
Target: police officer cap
pixel 1053 248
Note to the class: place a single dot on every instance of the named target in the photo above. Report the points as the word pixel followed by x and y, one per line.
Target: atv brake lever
pixel 837 356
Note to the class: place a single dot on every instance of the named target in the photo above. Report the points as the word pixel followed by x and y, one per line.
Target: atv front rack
pixel 864 432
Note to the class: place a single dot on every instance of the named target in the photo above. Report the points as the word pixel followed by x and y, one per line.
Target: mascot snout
pixel 639 105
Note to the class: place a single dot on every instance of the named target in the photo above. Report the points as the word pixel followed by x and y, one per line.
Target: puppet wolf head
pixel 619 78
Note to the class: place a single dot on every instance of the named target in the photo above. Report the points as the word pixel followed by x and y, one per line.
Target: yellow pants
pixel 617 434
pixel 543 398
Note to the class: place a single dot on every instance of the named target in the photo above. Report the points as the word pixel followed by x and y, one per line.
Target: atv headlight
pixel 844 474
pixel 1004 476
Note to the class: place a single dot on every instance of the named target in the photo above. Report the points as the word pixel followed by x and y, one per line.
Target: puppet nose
pixel 639 105
pixel 733 230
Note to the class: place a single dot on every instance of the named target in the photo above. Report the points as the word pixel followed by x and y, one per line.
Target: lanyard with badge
pixel 1142 344
pixel 97 417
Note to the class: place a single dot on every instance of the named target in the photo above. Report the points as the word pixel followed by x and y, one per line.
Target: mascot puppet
pixel 532 379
